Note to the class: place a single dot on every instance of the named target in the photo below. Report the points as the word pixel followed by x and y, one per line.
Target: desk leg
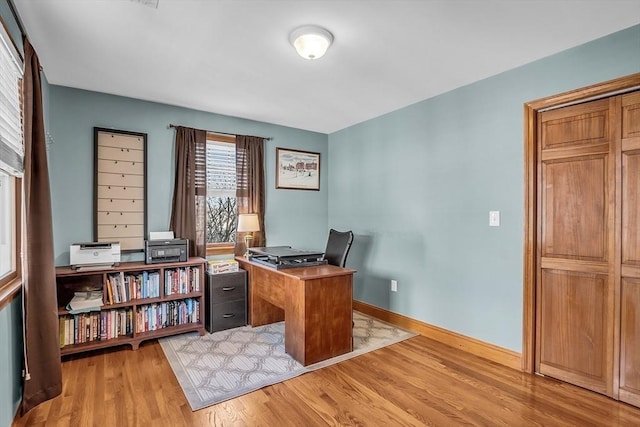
pixel 319 315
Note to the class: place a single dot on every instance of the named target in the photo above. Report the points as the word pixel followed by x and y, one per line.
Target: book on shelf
pixel 115 283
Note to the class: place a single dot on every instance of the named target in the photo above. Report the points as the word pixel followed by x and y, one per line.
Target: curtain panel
pixel 188 219
pixel 43 379
pixel 250 190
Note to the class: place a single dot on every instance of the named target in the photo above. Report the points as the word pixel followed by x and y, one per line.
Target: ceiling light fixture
pixel 150 3
pixel 311 41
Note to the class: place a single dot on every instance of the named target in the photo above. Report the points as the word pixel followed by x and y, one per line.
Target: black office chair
pixel 338 246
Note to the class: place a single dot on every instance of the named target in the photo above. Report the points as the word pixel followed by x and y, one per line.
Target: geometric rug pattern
pixel 216 367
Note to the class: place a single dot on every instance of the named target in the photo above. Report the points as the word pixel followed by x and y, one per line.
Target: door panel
pixel 631 208
pixel 577 125
pixel 575 215
pixel 631 115
pixel 574 328
pixel 630 342
pixel 630 269
pixel 575 279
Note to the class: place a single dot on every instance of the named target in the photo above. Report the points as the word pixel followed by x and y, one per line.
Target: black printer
pixel 172 250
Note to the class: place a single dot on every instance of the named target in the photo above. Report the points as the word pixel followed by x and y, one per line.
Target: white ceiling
pixel 233 57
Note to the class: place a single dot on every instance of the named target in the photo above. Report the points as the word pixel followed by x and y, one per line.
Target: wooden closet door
pixel 575 280
pixel 630 283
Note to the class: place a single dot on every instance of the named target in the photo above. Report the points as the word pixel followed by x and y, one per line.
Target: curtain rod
pixel 171 125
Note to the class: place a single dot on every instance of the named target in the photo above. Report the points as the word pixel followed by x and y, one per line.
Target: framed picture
pixel 297 170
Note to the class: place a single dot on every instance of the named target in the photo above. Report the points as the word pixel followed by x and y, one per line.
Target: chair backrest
pixel 338 246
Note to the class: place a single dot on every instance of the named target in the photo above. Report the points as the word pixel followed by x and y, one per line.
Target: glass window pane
pixel 11 143
pixel 221 169
pixel 221 219
pixel 221 192
pixel 6 224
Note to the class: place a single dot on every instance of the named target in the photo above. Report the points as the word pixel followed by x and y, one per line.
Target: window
pixel 222 209
pixel 10 221
pixel 6 224
pixel 11 153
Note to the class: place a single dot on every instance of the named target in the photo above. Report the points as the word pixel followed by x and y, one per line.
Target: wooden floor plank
pixel 473 390
pixel 428 402
pixel 415 382
pixel 552 398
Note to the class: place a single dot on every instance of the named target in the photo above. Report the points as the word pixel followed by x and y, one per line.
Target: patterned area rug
pixel 226 364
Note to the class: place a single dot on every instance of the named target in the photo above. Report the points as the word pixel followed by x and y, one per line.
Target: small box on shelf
pixel 223 266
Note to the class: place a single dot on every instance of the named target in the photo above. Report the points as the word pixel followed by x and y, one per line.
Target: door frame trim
pixel 531 110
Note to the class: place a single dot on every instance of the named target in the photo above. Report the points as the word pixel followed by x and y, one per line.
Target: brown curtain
pixel 250 185
pixel 43 379
pixel 190 189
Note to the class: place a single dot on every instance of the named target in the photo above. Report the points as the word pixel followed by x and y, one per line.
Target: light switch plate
pixel 494 218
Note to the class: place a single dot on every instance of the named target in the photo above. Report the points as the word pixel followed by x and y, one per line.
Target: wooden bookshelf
pixel 129 318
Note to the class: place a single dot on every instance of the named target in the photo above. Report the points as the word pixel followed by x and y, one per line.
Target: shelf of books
pixel 128 304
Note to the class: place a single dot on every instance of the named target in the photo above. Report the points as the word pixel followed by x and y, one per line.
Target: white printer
pixel 94 255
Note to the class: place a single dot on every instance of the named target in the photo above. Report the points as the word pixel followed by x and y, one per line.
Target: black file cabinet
pixel 226 300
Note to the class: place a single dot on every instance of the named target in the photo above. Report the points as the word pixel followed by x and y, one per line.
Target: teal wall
pixel 11 360
pixel 11 24
pixel 416 186
pixel 293 217
pixel 10 314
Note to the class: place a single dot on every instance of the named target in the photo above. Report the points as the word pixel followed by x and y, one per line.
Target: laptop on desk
pixel 281 257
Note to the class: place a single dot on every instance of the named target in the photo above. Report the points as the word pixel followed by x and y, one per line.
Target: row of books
pixel 95 326
pixel 181 280
pixel 108 324
pixel 123 287
pixel 152 317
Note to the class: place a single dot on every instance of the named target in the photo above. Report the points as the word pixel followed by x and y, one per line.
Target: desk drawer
pixel 227 315
pixel 268 285
pixel 226 287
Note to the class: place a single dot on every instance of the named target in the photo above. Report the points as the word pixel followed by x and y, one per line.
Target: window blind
pixel 221 169
pixel 11 143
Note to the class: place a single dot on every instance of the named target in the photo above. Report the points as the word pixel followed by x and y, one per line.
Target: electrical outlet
pixel 394 286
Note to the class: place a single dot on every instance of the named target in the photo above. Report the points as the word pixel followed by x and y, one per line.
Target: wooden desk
pixel 314 302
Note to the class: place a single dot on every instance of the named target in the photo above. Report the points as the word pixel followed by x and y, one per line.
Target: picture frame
pixel 297 169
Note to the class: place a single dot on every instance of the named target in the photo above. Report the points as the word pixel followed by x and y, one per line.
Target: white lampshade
pixel 310 41
pixel 248 223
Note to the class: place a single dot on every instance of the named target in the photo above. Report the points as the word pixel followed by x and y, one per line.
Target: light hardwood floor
pixel 413 383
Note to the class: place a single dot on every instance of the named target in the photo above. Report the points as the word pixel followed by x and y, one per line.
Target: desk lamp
pixel 248 223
